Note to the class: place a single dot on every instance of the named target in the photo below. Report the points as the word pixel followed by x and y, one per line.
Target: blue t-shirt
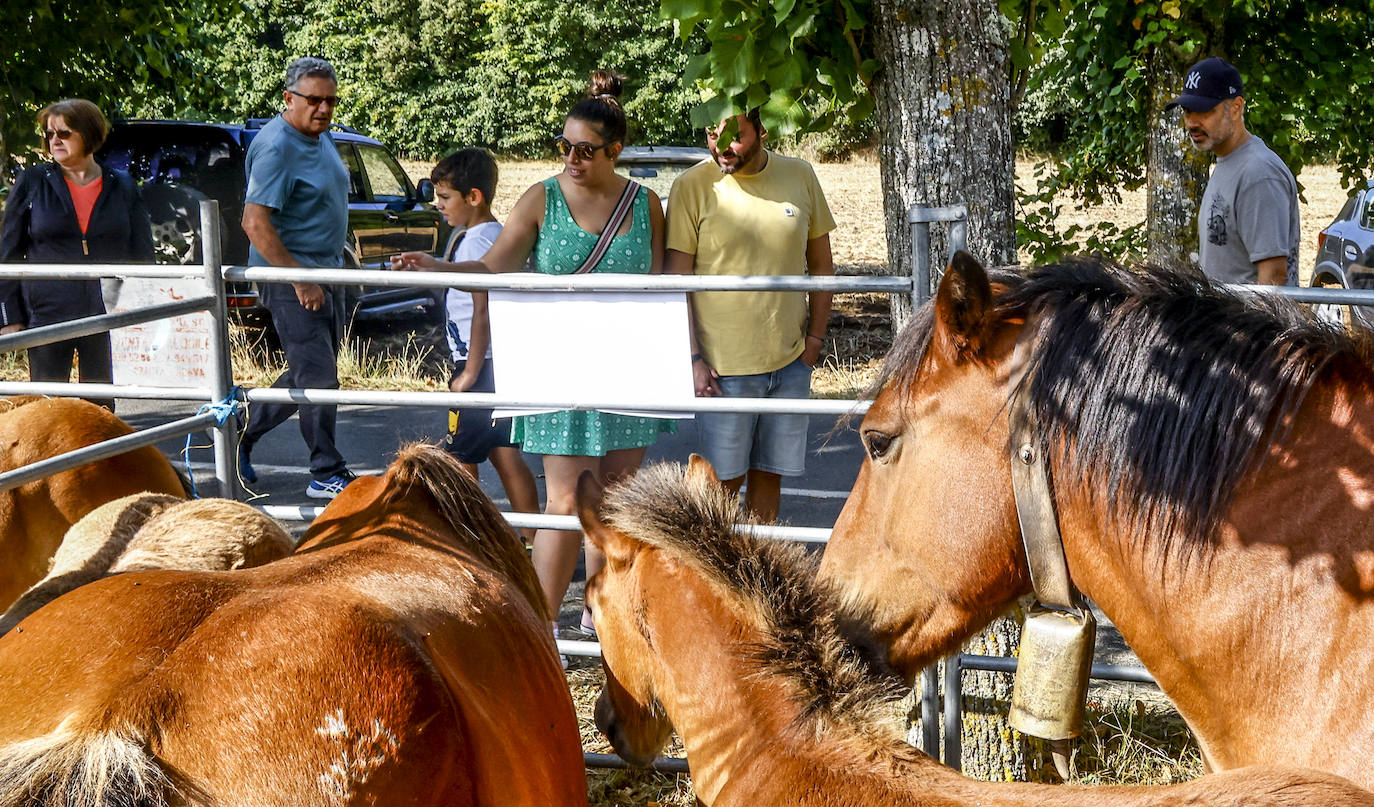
pixel 305 183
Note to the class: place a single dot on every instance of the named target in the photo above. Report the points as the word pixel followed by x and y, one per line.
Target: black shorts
pixel 472 433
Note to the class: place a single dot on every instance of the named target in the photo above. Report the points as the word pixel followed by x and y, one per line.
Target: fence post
pixel 954 713
pixel 920 217
pixel 930 710
pixel 221 368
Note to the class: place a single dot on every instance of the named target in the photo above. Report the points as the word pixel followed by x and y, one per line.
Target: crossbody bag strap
pixel 454 239
pixel 1030 484
pixel 603 243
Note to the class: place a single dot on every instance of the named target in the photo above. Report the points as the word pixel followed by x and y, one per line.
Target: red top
pixel 84 199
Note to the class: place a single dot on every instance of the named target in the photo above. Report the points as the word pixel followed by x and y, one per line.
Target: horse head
pixel 628 711
pixel 927 547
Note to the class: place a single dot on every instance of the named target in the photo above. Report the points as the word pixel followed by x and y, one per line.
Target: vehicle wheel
pixel 1331 312
pixel 175 212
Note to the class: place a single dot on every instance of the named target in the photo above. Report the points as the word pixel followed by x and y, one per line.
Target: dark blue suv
pixel 180 163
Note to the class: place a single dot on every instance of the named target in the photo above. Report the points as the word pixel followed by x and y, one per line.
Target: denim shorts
pixel 472 434
pixel 736 443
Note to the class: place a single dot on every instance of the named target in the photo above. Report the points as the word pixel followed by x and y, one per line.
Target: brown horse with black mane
pixel 1211 456
pixel 731 640
pixel 401 656
pixel 34 517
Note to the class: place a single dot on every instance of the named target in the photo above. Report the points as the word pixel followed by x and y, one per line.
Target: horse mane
pixel 1155 386
pixel 836 680
pixel 462 504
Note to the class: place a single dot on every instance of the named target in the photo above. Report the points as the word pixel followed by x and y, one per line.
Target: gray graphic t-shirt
pixel 1249 212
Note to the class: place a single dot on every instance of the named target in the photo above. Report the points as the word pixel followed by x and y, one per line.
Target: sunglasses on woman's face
pixel 57 134
pixel 584 151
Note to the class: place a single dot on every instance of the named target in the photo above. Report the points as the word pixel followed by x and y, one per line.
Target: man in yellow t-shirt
pixel 752 212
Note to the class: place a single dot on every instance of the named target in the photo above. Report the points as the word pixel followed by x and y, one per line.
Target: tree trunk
pixel 990 749
pixel 993 751
pixel 944 113
pixel 4 153
pixel 1175 172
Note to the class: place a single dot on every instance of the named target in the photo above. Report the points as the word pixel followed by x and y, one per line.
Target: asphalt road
pixel 370 435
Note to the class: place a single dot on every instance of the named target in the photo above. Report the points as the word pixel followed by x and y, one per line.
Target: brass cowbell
pixel 1047 699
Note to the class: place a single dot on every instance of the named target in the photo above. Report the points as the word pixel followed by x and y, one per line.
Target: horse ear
pixel 590 494
pixel 699 468
pixel 963 306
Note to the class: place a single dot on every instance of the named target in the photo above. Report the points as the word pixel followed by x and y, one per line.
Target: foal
pixel 730 640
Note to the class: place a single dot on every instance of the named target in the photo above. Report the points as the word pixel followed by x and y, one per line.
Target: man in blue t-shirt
pixel 296 215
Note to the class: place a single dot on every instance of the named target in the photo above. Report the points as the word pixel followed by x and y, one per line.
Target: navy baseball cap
pixel 1209 82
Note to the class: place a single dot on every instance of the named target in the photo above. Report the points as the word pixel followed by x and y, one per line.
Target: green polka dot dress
pixel 562 246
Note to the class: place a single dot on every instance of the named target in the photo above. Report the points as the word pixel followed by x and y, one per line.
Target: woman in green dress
pixel 559 221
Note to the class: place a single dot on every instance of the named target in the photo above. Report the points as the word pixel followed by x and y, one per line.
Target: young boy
pixel 464 183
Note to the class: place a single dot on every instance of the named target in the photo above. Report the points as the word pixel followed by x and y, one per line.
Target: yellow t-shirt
pixel 749 225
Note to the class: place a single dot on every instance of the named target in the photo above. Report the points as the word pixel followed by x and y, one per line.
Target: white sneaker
pixel 331 487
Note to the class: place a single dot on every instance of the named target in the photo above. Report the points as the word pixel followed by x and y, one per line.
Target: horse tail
pixel 103 768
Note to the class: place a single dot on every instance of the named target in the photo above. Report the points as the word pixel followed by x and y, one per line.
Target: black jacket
pixel 40 227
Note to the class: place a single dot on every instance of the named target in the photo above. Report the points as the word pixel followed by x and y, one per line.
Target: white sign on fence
pixel 597 346
pixel 172 352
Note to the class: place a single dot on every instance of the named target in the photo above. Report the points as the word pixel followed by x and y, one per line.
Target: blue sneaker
pixel 331 487
pixel 246 472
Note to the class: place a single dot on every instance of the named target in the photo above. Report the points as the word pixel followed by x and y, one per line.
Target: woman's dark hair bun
pixel 605 85
pixel 601 108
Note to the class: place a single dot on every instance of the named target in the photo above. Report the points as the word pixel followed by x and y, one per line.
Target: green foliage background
pixel 121 53
pixel 424 75
pixel 430 75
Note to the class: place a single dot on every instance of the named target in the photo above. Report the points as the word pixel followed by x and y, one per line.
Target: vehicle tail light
pixel 1321 241
pixel 239 302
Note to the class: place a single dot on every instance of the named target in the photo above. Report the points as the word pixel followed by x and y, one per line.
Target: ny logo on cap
pixel 1192 81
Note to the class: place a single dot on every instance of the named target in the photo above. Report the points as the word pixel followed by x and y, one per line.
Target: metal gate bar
pixel 104 450
pixel 100 323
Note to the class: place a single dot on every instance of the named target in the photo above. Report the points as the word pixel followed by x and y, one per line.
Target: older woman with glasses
pixel 560 221
pixel 70 210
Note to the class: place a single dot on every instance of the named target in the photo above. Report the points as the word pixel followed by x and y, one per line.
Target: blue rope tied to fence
pixel 222 410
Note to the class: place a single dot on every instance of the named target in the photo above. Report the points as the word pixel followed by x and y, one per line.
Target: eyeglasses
pixel 584 151
pixel 316 100
pixel 57 134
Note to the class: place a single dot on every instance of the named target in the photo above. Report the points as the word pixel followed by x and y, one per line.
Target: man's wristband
pixel 817 338
pixel 696 357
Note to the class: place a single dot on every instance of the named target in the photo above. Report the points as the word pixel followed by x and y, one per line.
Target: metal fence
pixel 222 399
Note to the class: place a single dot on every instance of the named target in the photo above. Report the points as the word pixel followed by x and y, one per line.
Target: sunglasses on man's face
pixel 584 151
pixel 316 100
pixel 57 134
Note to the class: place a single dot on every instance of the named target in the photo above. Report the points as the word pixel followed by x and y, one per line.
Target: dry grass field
pixel 860 333
pixel 854 191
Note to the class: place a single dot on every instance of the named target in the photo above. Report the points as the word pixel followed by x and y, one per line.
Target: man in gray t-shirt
pixel 1248 226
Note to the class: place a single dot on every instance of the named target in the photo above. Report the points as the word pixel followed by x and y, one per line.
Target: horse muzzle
pixel 609 724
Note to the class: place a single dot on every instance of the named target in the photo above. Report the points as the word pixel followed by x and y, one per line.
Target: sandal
pixel 587 624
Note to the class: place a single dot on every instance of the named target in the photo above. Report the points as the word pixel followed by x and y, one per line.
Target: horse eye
pixel 878 443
